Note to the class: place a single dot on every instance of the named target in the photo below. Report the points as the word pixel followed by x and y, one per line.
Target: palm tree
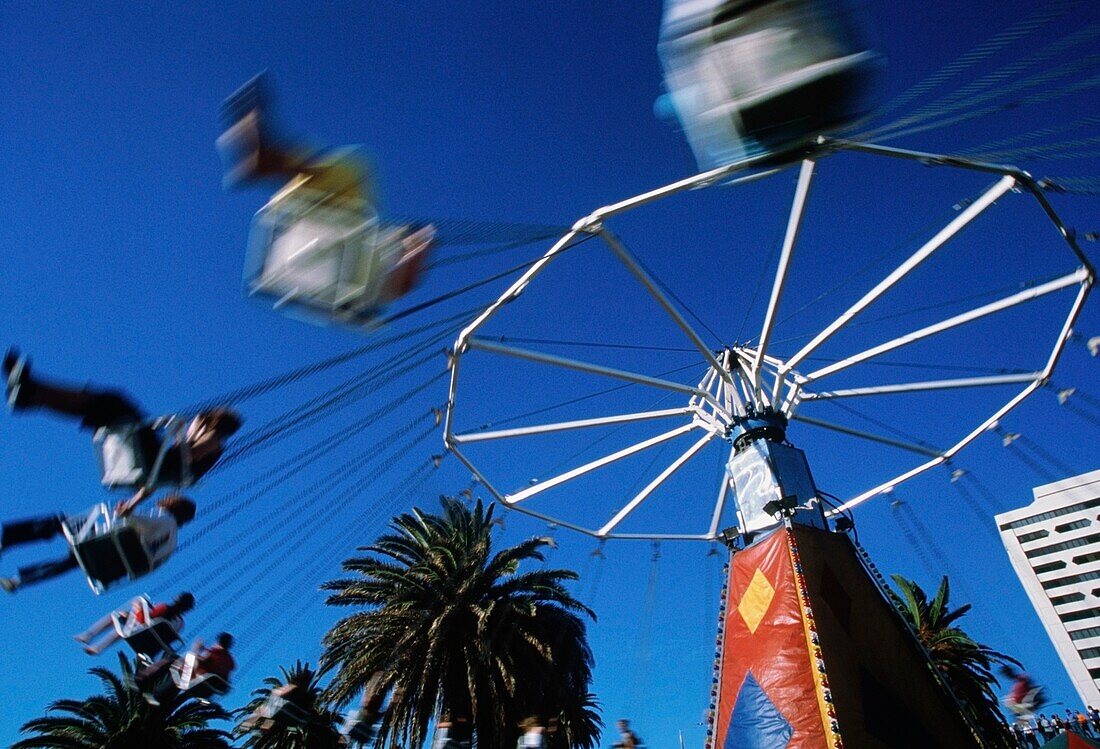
pixel 966 665
pixel 457 628
pixel 122 719
pixel 310 726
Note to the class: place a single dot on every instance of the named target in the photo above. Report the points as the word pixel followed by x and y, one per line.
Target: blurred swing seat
pixel 359 728
pixel 107 548
pixel 274 710
pixel 148 637
pixel 752 77
pixel 326 256
pixel 133 455
pixel 200 686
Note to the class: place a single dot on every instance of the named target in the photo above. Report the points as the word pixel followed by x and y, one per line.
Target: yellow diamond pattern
pixel 754 604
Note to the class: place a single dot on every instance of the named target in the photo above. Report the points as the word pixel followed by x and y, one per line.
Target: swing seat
pixel 132 455
pixel 151 639
pixel 108 549
pixel 329 260
pixel 200 686
pixel 358 728
pixel 162 636
pixel 751 77
pixel 313 254
pixel 121 456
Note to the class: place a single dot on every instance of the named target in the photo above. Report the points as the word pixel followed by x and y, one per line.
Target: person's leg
pixel 36 573
pixel 95 630
pixel 106 642
pixel 248 148
pixel 28 531
pixel 95 408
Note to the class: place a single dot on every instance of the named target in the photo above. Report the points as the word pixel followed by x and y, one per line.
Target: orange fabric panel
pixel 765 635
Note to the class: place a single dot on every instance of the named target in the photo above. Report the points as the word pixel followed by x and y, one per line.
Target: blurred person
pixel 627 738
pixel 452 733
pixel 390 264
pixel 1083 727
pixel 1025 696
pixel 277 701
pixel 1046 727
pixel 1029 731
pixel 134 615
pixel 360 723
pixel 96 408
pixel 157 533
pixel 216 660
pixel 532 737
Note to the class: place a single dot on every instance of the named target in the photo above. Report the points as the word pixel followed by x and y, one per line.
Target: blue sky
pixel 122 261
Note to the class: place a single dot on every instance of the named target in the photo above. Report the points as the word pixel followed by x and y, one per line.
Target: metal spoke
pixel 794 223
pixel 1027 295
pixel 912 387
pixel 580 366
pixel 870 436
pixel 954 227
pixel 656 482
pixel 519 496
pixel 562 426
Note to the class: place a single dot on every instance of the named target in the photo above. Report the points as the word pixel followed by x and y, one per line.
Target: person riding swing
pixel 108 545
pixel 318 246
pixel 134 451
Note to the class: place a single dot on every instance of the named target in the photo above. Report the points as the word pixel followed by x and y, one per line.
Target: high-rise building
pixel 1054 546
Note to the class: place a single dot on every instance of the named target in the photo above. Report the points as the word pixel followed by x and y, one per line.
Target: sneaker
pixel 9 584
pixel 242 141
pixel 18 369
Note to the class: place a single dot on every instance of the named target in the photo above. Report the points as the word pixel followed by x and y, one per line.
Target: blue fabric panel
pixel 756 722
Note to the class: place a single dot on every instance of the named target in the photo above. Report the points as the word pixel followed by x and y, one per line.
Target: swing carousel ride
pixel 671 367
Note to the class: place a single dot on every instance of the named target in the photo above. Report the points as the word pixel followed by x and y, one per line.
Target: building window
pixel 1052 514
pixel 1032 536
pixel 1067 527
pixel 1094 673
pixel 1089 653
pixel 1076 616
pixel 1082 634
pixel 1088 540
pixel 1068 598
pixel 1050 567
pixel 1092 556
pixel 1058 582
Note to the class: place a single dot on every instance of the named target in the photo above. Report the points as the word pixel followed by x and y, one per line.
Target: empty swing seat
pixel 751 77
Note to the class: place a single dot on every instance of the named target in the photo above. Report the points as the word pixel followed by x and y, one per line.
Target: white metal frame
pixel 747 378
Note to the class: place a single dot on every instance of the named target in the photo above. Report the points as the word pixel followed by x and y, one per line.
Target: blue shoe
pixel 9 584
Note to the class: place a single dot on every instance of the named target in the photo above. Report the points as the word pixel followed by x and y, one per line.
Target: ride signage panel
pixel 765 471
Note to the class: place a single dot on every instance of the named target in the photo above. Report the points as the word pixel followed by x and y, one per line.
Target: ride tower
pixel 812 650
